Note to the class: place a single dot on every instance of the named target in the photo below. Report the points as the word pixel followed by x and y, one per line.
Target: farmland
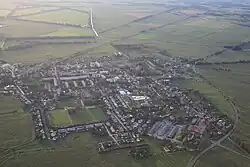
pixel 85 153
pixel 62 16
pixel 41 53
pixel 229 159
pixel 13 120
pixel 28 11
pixel 69 32
pixel 234 84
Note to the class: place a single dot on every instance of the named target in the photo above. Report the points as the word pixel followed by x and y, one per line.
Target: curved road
pixel 217 143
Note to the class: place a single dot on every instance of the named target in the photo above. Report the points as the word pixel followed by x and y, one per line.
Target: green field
pixel 211 94
pixel 65 32
pixel 62 16
pixel 15 28
pixel 230 56
pixel 88 115
pixel 236 85
pixel 117 22
pixel 80 150
pixel 219 157
pixel 42 53
pixel 31 10
pixel 61 118
pixel 15 124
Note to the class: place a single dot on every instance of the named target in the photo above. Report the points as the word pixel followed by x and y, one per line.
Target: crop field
pixel 15 124
pixel 230 56
pixel 31 10
pixel 236 85
pixel 41 53
pixel 88 115
pixel 104 49
pixel 210 93
pixel 62 16
pixel 116 16
pixel 15 28
pixel 80 149
pixel 194 37
pixel 66 32
pixel 214 159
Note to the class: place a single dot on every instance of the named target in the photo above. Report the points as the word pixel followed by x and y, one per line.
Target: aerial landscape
pixel 123 83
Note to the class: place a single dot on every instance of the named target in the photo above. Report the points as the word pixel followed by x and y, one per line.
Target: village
pixel 127 99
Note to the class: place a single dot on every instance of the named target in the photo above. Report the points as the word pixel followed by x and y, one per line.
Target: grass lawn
pixel 15 125
pixel 88 115
pixel 62 16
pixel 60 118
pixel 65 32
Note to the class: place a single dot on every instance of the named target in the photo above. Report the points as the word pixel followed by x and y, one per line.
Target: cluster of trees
pixel 219 63
pixel 140 153
pixel 222 69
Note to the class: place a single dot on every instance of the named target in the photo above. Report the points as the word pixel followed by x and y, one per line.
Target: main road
pixel 92 24
pixel 217 143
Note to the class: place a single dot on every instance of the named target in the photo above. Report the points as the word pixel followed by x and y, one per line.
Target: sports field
pixel 61 118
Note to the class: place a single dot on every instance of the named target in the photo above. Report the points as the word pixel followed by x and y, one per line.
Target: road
pixel 217 143
pixel 235 152
pixel 111 135
pixel 92 24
